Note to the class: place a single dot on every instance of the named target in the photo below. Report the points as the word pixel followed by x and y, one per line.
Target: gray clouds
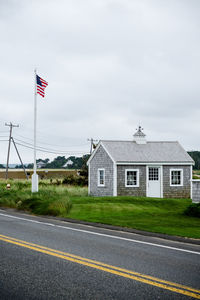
pixel 110 64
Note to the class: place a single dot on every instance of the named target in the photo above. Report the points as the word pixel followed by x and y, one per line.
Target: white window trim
pixel 137 178
pixel 170 174
pixel 98 176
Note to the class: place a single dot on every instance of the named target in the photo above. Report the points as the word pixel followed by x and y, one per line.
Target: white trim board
pixel 170 177
pixel 191 174
pixel 94 152
pixel 154 163
pixel 114 179
pixel 89 180
pixel 98 177
pixel 137 178
pixel 108 152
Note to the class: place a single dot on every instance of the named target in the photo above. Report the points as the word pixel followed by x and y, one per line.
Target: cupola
pixel 139 136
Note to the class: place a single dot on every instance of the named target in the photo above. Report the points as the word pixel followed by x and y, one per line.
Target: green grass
pixel 149 214
pixel 50 200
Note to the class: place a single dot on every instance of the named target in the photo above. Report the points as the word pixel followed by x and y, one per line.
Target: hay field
pixel 43 173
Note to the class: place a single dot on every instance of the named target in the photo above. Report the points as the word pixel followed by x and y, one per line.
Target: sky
pixel 111 65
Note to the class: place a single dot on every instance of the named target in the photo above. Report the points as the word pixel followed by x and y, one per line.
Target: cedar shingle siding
pixel 176 191
pixel 122 190
pixel 101 160
pixel 117 156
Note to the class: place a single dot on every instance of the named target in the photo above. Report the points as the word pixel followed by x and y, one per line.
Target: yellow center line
pixel 106 265
pixel 167 285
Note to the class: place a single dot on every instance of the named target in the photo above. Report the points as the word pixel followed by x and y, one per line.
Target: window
pixel 176 177
pixel 131 178
pixel 153 174
pixel 101 177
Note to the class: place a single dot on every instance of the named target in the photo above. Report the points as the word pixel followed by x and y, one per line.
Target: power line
pixel 48 149
pixel 51 144
pixel 52 152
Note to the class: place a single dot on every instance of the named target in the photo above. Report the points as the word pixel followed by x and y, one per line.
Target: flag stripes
pixel 41 85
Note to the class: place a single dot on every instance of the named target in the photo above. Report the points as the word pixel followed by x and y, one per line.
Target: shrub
pixel 60 207
pixel 193 210
pixel 75 180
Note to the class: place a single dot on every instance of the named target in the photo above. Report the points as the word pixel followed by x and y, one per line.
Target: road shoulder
pixel 111 227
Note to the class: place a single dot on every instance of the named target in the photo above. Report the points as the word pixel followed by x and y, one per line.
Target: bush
pixel 60 207
pixel 75 180
pixel 193 210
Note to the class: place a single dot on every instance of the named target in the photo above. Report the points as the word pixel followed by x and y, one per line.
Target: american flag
pixel 41 85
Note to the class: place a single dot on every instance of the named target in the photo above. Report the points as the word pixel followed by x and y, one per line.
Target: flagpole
pixel 35 176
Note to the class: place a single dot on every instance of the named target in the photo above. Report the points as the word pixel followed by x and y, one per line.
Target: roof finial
pixel 139 136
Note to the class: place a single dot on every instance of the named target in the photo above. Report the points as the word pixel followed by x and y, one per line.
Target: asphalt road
pixel 48 259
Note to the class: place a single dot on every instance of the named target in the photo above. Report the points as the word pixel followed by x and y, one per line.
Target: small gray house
pixel 140 168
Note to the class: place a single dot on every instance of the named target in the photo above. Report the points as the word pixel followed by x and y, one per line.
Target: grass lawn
pixel 149 214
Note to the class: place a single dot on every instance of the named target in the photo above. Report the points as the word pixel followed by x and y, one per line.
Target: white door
pixel 154 182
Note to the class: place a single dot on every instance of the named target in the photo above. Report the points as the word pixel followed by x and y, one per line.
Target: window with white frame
pixel 153 174
pixel 176 177
pixel 131 177
pixel 101 177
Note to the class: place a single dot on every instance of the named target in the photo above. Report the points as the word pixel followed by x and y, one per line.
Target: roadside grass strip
pixel 147 279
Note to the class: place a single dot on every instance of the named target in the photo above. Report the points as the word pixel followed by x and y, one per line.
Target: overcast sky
pixel 110 65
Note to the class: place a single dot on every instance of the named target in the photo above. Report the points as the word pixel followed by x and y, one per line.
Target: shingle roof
pixel 130 151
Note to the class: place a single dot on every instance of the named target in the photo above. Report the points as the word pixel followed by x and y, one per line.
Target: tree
pixel 196 157
pixel 84 167
pixel 29 166
pixel 57 163
pixel 2 166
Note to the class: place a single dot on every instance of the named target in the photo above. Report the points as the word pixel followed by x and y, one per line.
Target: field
pixel 43 173
pixel 149 214
pixel 52 173
pixel 196 174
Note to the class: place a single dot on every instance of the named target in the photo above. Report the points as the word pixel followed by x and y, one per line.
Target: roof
pixel 158 152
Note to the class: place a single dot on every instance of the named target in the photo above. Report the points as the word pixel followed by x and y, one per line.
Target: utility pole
pixel 92 144
pixel 19 158
pixel 10 137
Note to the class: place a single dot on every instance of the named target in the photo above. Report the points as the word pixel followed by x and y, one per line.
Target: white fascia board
pixel 89 180
pixel 155 163
pixel 147 181
pixel 93 153
pixel 114 179
pixel 161 181
pixel 108 153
